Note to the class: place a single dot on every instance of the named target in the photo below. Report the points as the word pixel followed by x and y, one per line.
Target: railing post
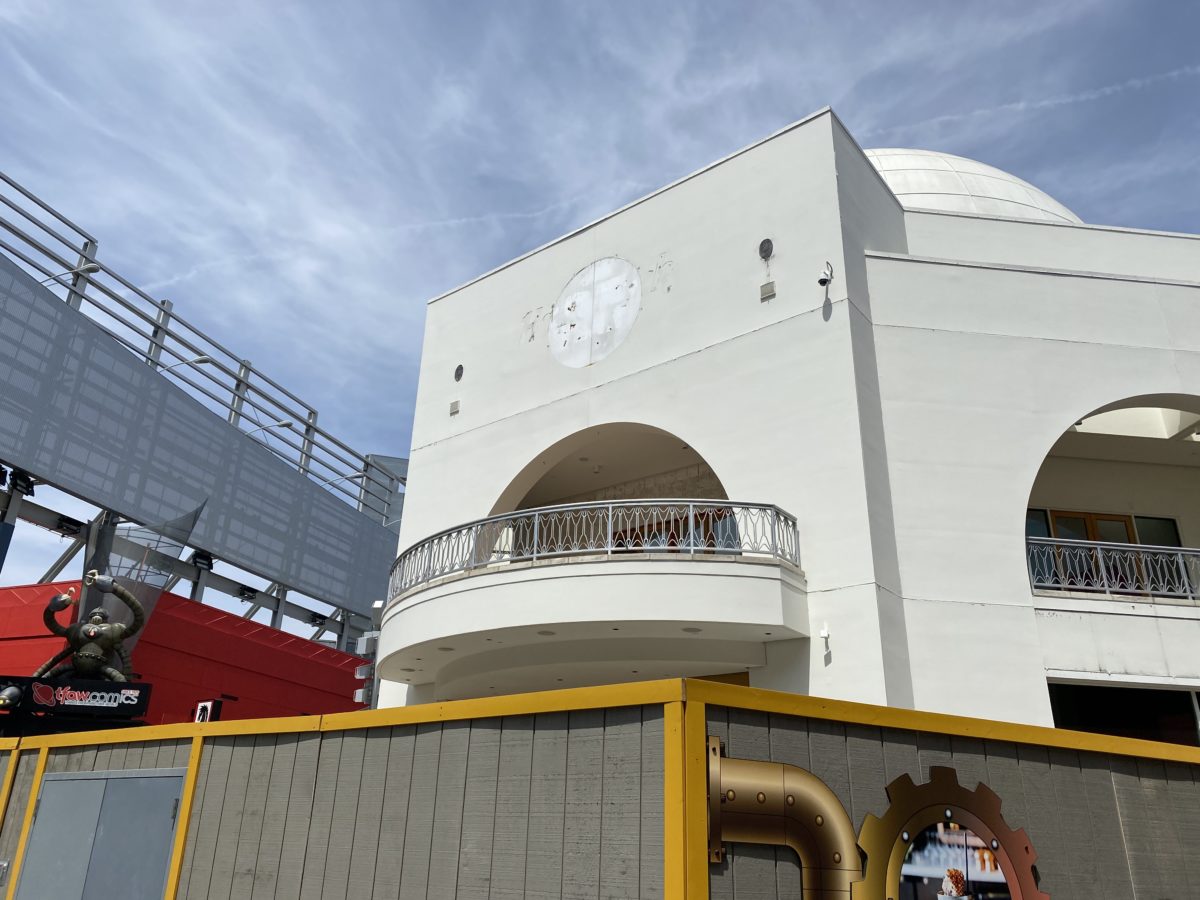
pixel 692 528
pixel 306 445
pixel 158 334
pixel 79 281
pixel 1103 571
pixel 535 535
pixel 1183 573
pixel 474 546
pixel 774 533
pixel 608 544
pixel 240 385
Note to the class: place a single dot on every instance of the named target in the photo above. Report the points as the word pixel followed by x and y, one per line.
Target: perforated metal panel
pixel 79 411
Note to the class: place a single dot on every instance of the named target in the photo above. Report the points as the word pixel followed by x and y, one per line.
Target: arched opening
pixel 610 556
pixel 611 462
pixel 1114 515
pixel 621 486
pixel 1115 506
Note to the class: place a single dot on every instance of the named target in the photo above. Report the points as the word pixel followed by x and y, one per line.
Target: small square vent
pixel 454 407
pixel 766 292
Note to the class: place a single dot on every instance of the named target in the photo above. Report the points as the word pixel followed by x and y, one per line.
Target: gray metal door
pixel 60 844
pixel 99 835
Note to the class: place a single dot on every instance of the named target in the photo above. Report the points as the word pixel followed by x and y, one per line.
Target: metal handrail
pixel 1128 570
pixel 228 385
pixel 45 206
pixel 600 528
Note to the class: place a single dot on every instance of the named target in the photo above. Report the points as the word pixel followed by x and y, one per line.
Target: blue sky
pixel 298 178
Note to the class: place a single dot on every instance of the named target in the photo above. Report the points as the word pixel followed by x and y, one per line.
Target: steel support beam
pixel 99 553
pixel 64 560
pixel 277 612
pixel 200 577
pixel 18 485
pixel 199 583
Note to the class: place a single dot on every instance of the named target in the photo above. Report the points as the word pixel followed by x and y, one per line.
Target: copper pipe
pixel 757 802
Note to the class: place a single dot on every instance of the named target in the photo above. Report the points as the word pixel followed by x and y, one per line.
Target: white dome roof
pixel 922 179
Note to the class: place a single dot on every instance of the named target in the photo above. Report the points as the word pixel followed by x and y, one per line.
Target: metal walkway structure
pixel 108 394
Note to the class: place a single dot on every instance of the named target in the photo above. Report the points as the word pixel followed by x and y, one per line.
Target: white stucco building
pixel 848 463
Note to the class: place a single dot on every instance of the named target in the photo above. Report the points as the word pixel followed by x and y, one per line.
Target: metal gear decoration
pixel 915 807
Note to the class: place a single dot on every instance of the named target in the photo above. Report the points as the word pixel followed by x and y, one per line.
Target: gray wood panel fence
pixel 10 834
pixel 555 805
pixel 120 757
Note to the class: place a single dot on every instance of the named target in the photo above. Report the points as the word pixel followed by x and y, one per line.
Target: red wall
pixel 191 652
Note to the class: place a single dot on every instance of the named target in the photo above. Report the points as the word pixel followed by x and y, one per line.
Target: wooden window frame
pixel 1090 519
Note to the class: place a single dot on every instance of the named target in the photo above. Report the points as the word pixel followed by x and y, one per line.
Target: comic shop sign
pixel 77 697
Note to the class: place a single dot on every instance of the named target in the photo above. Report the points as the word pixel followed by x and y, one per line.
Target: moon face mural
pixel 595 312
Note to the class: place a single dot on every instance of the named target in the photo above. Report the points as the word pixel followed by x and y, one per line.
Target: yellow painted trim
pixel 184 819
pixel 637 693
pixel 10 776
pixel 290 724
pixel 938 723
pixel 695 767
pixel 9 743
pixel 14 876
pixel 674 818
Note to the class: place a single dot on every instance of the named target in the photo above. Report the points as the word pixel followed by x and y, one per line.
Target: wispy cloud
pixel 1019 107
pixel 303 176
pixel 299 177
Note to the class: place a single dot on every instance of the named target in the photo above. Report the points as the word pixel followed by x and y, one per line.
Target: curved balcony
pixel 586 593
pixel 658 527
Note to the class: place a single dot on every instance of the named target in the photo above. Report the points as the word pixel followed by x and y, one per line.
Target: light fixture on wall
pixel 826 275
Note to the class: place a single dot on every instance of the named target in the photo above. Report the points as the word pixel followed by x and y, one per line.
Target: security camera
pixel 826 275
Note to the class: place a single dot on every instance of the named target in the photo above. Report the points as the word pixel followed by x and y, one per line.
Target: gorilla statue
pixel 92 644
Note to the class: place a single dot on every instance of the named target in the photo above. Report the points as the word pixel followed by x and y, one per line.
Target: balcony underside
pixel 563 623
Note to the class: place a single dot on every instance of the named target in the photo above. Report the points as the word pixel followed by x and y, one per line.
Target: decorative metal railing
pixel 1125 569
pixel 669 527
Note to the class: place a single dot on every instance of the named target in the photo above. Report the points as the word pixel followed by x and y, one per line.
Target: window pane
pixel 1115 531
pixel 1037 523
pixel 1160 532
pixel 1072 528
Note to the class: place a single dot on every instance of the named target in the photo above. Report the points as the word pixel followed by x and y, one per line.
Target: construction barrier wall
pixel 605 793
